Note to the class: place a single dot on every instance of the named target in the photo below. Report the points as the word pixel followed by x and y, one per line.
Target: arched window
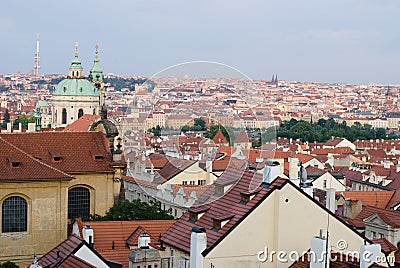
pixel 64 116
pixel 80 113
pixel 78 203
pixel 14 215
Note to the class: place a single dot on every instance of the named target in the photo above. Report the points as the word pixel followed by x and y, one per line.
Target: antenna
pixel 36 58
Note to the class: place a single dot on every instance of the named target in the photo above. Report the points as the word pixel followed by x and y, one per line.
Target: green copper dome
pixel 75 84
pixel 75 87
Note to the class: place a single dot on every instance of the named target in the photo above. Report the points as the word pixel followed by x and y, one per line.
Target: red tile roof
pixel 386 246
pixel 178 235
pixel 26 166
pixel 219 138
pixel 112 238
pixel 333 142
pixel 74 261
pixel 83 123
pixel 64 249
pixel 379 199
pixel 242 137
pixel 76 149
pixel 173 168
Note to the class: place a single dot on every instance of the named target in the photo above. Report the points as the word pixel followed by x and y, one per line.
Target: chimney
pixel 19 127
pixel 198 243
pixel 9 127
pixel 272 170
pixel 88 235
pixel 209 166
pixel 144 240
pixel 386 163
pixel 31 127
pixel 330 199
pixel 293 168
pixel 370 254
pixel 320 252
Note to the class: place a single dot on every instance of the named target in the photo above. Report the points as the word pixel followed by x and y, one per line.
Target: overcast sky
pixel 333 41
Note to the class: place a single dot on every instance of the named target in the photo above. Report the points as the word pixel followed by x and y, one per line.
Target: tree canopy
pixel 135 210
pixel 323 130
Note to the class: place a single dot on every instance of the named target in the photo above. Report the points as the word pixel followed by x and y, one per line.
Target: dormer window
pixel 56 156
pixel 219 189
pixel 220 221
pixel 97 155
pixel 14 162
pixel 247 196
pixel 196 213
pixel 244 198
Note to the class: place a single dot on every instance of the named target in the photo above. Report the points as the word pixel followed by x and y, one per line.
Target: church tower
pixel 97 79
pixel 74 96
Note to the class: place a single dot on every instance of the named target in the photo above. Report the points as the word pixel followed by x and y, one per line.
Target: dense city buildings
pixel 208 152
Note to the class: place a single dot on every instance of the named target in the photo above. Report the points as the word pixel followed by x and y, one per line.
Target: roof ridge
pixel 35 159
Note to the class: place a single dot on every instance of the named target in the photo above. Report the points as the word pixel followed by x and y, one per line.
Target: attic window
pixel 56 156
pixel 244 198
pixel 220 221
pixel 219 190
pixel 98 157
pixel 247 196
pixel 196 213
pixel 14 162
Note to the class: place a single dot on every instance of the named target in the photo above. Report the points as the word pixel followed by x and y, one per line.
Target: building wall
pixel 273 225
pixel 72 104
pixel 47 220
pixel 102 190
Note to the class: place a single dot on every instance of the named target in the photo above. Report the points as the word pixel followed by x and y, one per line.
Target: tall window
pixel 78 203
pixel 80 113
pixel 14 212
pixel 64 116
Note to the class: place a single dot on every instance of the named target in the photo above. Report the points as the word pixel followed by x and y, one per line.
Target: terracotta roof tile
pixel 15 164
pixel 105 232
pixel 83 123
pixel 386 246
pixel 65 248
pixel 73 147
pixel 219 138
pixel 379 199
pixel 74 261
pixel 242 137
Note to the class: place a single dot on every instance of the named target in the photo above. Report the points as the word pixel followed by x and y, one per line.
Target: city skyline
pixel 334 42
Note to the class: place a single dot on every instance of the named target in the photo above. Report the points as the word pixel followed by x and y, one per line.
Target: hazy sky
pixel 315 40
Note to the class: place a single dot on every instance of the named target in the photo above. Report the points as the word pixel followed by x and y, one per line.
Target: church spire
pixel 76 70
pixel 96 73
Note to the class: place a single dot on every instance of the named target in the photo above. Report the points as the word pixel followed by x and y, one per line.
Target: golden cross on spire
pixel 97 53
pixel 76 49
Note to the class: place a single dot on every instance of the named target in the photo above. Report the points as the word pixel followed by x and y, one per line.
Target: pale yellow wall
pixel 47 224
pixel 102 198
pixel 193 173
pixel 279 225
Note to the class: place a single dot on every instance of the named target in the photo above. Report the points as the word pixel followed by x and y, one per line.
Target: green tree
pixel 8 264
pixel 24 120
pixel 135 210
pixel 201 123
pixel 155 130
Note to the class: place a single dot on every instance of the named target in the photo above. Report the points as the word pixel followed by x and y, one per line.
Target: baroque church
pixel 75 96
pixel 49 178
